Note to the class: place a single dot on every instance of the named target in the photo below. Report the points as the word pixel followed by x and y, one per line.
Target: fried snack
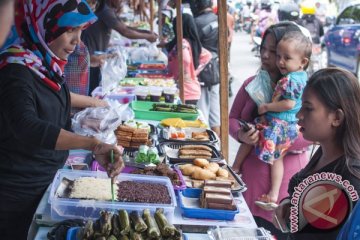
pixel 222 173
pixel 125 128
pixel 196 147
pixel 195 152
pixel 203 174
pixel 123 138
pixel 192 156
pixel 201 162
pixel 200 136
pixel 124 143
pixel 213 167
pixel 188 169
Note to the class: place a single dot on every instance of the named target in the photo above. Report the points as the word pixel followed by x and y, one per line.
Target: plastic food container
pixel 193 195
pixel 66 208
pixel 169 94
pixel 142 111
pixel 126 96
pixel 141 93
pixel 155 93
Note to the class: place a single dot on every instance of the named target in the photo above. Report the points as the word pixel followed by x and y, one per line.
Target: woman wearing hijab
pixel 191 58
pixel 35 106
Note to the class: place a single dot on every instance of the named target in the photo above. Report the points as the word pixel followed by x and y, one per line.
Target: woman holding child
pixel 245 108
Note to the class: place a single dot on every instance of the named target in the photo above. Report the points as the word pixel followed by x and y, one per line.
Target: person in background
pixel 207 24
pixel 245 108
pixel 192 50
pixel 78 65
pixel 97 36
pixel 309 21
pixel 277 121
pixel 327 116
pixel 35 103
pixel 230 19
pixel 6 19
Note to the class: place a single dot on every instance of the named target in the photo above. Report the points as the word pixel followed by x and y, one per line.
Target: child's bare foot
pixel 266 202
pixel 273 197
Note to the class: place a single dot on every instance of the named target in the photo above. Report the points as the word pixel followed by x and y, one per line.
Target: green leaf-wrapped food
pixel 166 229
pixel 124 222
pixel 141 156
pixel 115 225
pixel 137 222
pixel 135 235
pixel 153 229
pixel 153 155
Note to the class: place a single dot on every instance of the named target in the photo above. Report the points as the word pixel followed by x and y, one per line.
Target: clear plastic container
pixel 65 208
pixel 169 94
pixel 155 93
pixel 141 93
pixel 123 95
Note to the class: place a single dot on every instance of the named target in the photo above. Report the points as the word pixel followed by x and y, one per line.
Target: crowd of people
pixel 56 48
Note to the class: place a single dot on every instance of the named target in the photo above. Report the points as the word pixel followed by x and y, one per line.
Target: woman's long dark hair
pixel 190 33
pixel 339 89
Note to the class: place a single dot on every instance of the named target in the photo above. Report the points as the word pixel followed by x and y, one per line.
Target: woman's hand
pixel 250 137
pixel 97 60
pixel 152 37
pixel 281 215
pixel 102 152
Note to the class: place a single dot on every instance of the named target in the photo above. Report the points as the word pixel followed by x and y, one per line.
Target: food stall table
pixel 42 220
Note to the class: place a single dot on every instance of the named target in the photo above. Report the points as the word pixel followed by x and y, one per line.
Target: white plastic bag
pixel 114 69
pixel 260 89
pixel 101 122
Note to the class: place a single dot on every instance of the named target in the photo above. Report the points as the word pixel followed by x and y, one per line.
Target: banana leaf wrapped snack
pixel 141 156
pixel 153 155
pixel 137 222
pixel 152 228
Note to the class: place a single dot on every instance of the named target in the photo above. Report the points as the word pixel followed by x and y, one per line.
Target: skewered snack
pixel 153 229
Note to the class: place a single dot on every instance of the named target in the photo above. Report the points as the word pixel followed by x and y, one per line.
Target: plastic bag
pixel 139 54
pixel 101 122
pixel 238 233
pixel 113 69
pixel 260 89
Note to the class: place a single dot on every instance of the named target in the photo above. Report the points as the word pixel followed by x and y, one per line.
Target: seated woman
pixel 327 116
pixel 35 103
